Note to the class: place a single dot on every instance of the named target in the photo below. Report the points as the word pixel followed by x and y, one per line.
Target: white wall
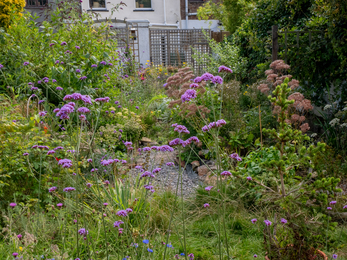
pixel 156 16
pixel 201 24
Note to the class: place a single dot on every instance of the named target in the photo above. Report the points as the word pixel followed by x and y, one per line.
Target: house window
pixel 95 4
pixel 36 3
pixel 143 4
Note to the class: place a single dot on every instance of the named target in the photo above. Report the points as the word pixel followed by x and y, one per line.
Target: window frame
pixel 143 8
pixel 99 8
pixel 36 5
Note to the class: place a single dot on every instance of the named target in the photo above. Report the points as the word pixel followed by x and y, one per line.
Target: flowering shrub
pixel 10 8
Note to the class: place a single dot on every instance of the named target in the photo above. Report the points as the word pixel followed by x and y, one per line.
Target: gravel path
pixel 167 178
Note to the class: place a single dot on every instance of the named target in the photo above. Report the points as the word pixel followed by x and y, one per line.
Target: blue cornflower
pixel 149 250
pixel 146 241
pixel 182 254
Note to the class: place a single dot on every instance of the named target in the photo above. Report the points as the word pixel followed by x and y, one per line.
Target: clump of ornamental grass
pixel 300 199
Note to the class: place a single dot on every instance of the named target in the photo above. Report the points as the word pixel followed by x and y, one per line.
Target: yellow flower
pixel 147 60
pixel 21 248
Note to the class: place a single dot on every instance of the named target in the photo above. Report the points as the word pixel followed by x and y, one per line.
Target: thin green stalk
pixel 183 215
pixel 173 207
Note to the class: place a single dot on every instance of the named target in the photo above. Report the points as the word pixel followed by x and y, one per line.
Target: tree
pixel 230 12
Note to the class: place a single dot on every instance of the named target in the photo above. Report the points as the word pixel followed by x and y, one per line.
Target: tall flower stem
pixel 173 206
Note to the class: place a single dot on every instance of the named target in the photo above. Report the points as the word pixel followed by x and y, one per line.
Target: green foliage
pixel 230 12
pixel 19 180
pixel 254 40
pixel 43 48
pixel 297 198
pixel 224 53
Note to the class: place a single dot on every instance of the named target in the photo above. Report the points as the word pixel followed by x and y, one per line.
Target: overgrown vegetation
pixel 86 135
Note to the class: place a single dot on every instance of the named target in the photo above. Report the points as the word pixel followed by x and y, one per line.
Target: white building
pixel 169 14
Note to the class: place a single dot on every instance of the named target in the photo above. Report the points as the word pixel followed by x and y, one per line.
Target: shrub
pixel 9 9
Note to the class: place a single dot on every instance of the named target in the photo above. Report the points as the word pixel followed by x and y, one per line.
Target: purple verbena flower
pixel 206 205
pixel 68 189
pixel 224 69
pixel 118 223
pixel 208 188
pixel 83 232
pixel 189 95
pixel 226 173
pixel 65 163
pixel 267 222
pixel 122 213
pixel 217 80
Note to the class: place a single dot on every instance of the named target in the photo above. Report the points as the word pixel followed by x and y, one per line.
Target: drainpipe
pixel 186 14
pixel 164 12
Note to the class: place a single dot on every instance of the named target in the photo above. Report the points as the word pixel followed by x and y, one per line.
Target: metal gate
pixel 176 47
